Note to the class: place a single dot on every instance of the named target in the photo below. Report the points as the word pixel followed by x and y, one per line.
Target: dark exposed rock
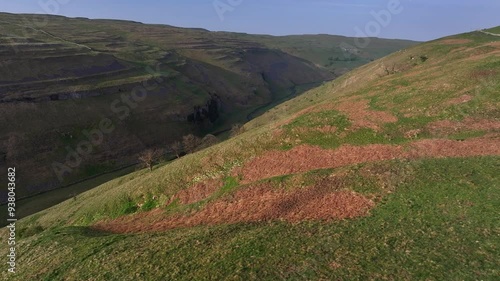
pixel 210 111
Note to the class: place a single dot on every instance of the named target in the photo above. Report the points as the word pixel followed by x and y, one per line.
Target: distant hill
pixel 338 54
pixel 60 80
pixel 389 172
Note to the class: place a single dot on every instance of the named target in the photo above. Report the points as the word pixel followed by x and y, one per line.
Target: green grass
pixel 150 203
pixel 126 205
pixel 365 136
pixel 230 183
pixel 32 205
pixel 317 120
pixel 434 219
pixel 494 30
pixel 439 223
pixel 390 133
pixel 467 135
pixel 332 117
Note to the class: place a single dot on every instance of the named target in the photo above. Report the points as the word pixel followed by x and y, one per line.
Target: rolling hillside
pixel 389 172
pixel 62 78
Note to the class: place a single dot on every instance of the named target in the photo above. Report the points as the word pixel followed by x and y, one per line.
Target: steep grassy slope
pixel 338 54
pixel 389 172
pixel 437 227
pixel 61 77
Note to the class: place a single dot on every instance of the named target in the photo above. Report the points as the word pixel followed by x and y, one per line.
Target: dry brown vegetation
pixel 448 126
pixel 197 192
pixel 457 41
pixel 305 157
pixel 459 100
pixel 260 202
pixel 362 116
pixel 327 199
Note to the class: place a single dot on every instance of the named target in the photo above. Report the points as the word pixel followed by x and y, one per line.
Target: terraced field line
pixel 50 35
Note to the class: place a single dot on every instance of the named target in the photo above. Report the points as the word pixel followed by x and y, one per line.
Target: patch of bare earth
pixel 305 157
pixel 260 202
pixel 362 116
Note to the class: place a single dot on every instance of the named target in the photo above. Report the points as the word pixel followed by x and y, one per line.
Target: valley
pixel 387 172
pixel 154 83
pixel 139 151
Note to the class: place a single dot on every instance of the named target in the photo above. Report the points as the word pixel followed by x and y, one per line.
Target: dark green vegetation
pixel 433 216
pixel 61 76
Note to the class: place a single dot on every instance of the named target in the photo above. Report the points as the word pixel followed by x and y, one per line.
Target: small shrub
pixel 127 206
pixel 150 203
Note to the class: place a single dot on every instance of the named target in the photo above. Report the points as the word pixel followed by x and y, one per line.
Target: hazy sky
pixel 412 19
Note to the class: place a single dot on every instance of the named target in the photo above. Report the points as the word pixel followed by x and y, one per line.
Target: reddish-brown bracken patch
pixel 455 41
pixel 479 74
pixel 261 202
pixel 327 200
pixel 197 192
pixel 362 116
pixel 447 126
pixel 305 157
pixel 459 100
pixel 437 148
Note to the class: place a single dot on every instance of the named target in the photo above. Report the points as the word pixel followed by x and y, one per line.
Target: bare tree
pixel 149 157
pixel 191 142
pixel 176 148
